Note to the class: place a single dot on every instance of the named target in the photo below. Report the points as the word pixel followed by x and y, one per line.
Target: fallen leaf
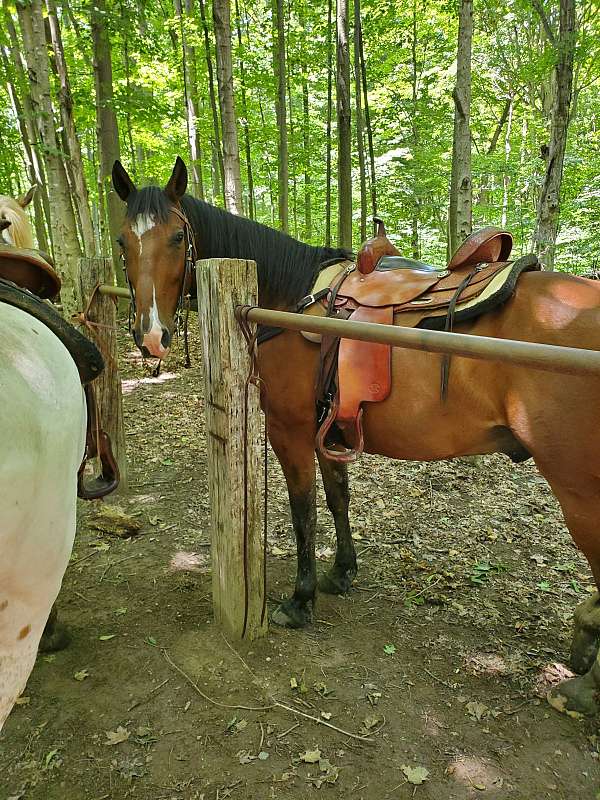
pixel 326 715
pixel 22 701
pixel 263 755
pixel 118 736
pixel 415 775
pixel 389 649
pixel 106 637
pixel 81 675
pixel 311 756
pixel 477 710
pixel 245 757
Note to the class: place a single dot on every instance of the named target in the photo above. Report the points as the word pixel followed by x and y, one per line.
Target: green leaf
pixel 415 775
pixel 389 649
pixel 106 637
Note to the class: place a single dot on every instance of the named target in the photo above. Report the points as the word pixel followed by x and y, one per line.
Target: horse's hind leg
pixel 338 579
pixel 581 509
pixel 56 635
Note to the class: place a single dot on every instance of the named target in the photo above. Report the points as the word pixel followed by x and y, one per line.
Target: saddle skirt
pixel 386 288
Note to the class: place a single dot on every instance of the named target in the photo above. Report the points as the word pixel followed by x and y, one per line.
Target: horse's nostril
pixel 165 338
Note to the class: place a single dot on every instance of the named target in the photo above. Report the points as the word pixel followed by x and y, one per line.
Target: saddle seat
pixel 387 288
pixel 30 269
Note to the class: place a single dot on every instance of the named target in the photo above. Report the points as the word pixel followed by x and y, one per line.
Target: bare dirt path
pixel 468 580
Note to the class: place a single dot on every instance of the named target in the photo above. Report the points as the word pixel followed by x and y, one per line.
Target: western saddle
pixel 387 288
pixel 27 281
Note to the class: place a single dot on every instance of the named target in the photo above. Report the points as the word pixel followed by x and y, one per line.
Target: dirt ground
pixel 439 658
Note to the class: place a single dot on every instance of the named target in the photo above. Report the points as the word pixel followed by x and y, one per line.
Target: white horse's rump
pixel 42 436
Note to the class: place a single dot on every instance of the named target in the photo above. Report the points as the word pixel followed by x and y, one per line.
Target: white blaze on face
pixel 141 225
pixel 153 339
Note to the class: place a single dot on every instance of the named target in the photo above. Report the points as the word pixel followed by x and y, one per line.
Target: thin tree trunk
pixel 506 176
pixel 40 228
pixel 292 159
pixel 360 145
pixel 329 116
pixel 218 181
pixel 62 220
pixel 344 127
pixel 415 137
pixel 231 151
pixel 368 126
pixel 190 96
pixel 106 127
pixel 65 98
pixel 460 211
pixel 280 113
pixel 268 165
pixel 245 122
pixel 482 197
pixel 306 143
pixel 546 229
pixel 30 123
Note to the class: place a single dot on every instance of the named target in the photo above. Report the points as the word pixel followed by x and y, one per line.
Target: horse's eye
pixel 120 241
pixel 179 236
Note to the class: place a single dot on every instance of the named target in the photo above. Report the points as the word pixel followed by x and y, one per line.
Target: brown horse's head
pixel 153 248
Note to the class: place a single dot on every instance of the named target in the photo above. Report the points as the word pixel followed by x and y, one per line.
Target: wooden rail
pixel 549 357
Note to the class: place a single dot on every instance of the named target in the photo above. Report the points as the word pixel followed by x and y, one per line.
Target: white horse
pixel 43 418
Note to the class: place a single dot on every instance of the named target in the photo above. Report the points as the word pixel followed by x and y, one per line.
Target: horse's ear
pixel 25 199
pixel 123 184
pixel 175 188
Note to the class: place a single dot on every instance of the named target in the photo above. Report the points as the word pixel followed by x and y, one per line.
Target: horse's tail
pixel 18 233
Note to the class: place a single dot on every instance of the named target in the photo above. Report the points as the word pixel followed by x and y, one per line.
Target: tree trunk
pixel 506 176
pixel 190 97
pixel 460 211
pixel 414 121
pixel 329 116
pixel 65 98
pixel 218 181
pixel 30 126
pixel 360 145
pixel 546 229
pixel 280 113
pixel 482 197
pixel 245 123
pixel 17 108
pixel 231 152
pixel 306 143
pixel 102 314
pixel 62 220
pixel 363 70
pixel 344 128
pixel 106 128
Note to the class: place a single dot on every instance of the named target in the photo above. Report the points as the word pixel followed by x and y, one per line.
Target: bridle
pixel 183 301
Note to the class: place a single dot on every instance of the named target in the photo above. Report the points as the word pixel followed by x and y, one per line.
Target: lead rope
pixel 254 379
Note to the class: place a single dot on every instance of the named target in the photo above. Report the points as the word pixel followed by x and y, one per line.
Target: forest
pixel 311 117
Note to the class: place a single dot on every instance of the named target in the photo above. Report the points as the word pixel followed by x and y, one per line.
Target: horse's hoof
pixel 584 649
pixel 584 646
pixel 337 581
pixel 58 639
pixel 290 614
pixel 576 697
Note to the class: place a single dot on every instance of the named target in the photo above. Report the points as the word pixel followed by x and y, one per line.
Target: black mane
pixel 287 268
pixel 149 200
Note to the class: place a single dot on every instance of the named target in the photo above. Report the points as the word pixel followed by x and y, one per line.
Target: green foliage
pixel 410 51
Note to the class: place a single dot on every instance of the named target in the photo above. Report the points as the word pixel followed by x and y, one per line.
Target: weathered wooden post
pixel 102 314
pixel 233 439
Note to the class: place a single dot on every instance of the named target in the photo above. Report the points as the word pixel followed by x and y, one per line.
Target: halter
pixel 183 302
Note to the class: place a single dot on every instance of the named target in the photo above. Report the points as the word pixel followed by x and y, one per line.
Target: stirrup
pixel 347 455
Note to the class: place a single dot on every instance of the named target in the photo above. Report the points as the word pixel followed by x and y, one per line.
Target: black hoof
pixel 57 639
pixel 337 580
pixel 292 614
pixel 584 649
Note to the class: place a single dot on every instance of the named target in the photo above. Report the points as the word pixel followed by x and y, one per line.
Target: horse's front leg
pixel 294 449
pixel 338 579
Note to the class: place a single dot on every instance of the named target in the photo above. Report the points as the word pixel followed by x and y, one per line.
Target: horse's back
pixel 42 430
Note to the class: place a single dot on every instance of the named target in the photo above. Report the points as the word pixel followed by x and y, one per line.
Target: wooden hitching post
pixel 102 316
pixel 234 474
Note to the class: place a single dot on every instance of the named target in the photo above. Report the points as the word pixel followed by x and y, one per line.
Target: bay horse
pixel 15 228
pixel 42 429
pixel 490 407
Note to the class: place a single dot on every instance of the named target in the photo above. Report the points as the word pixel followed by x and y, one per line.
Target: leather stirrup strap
pixel 449 325
pixel 97 444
